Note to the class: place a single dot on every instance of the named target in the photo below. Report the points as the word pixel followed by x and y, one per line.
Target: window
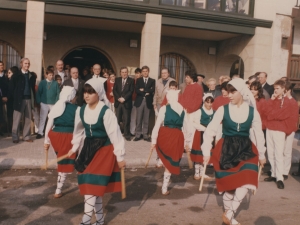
pixel 8 55
pixel 214 5
pixel 237 6
pixel 177 2
pixel 177 65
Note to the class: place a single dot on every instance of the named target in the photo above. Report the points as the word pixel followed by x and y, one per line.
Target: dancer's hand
pixel 46 147
pixel 152 147
pixel 206 159
pixel 70 153
pixel 122 164
pixel 187 148
pixel 262 162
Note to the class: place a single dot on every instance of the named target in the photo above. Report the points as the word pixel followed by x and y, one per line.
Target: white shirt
pixel 62 75
pixel 146 78
pixel 1 74
pixel 24 71
pixel 111 126
pixel 196 117
pixel 75 83
pixel 238 115
pixel 159 122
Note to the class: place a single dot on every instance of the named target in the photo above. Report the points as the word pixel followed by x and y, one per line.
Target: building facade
pixel 214 37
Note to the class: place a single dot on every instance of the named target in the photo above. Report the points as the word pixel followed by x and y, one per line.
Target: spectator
pixel 162 86
pixel 145 89
pixel 200 78
pixel 3 95
pixel 85 73
pixel 211 83
pixel 78 84
pixel 22 90
pixel 287 80
pixel 255 78
pixel 51 68
pixel 47 95
pixel 137 73
pixel 109 86
pixel 122 92
pixel 262 77
pixel 59 81
pixel 105 73
pixel 60 71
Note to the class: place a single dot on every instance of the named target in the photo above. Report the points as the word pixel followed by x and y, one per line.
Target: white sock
pixel 99 211
pixel 89 203
pixel 227 199
pixel 239 195
pixel 167 176
pixel 201 171
pixel 60 182
pixel 197 170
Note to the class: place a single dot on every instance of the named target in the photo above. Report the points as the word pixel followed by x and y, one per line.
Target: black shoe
pixel 280 184
pixel 132 135
pixel 270 179
pixel 39 136
pixel 147 139
pixel 269 173
pixel 16 141
pixel 285 177
pixel 128 138
pixel 297 174
pixel 137 138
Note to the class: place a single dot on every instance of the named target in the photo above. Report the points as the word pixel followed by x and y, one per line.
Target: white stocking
pixel 239 195
pixel 99 211
pixel 89 203
pixel 60 182
pixel 227 200
pixel 197 170
pixel 167 176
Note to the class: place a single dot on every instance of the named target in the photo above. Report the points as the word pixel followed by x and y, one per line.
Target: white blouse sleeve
pixel 188 130
pixel 113 131
pixel 258 135
pixel 78 133
pixel 48 128
pixel 196 121
pixel 159 120
pixel 211 131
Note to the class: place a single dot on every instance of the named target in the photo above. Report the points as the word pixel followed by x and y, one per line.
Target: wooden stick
pixel 202 177
pixel 54 161
pixel 259 173
pixel 188 153
pixel 149 158
pixel 123 183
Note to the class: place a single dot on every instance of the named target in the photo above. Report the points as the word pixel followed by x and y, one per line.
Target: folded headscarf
pixel 66 95
pixel 207 95
pixel 172 97
pixel 98 86
pixel 240 85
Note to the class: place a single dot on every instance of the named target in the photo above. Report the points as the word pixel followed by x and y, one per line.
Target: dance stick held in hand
pixel 151 150
pixel 55 161
pixel 46 148
pixel 123 183
pixel 202 177
pixel 188 154
pixel 259 173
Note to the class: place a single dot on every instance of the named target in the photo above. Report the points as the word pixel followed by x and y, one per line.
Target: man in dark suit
pixel 78 84
pixel 122 91
pixel 262 77
pixel 145 89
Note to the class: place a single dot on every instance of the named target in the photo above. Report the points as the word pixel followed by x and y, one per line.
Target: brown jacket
pixel 161 91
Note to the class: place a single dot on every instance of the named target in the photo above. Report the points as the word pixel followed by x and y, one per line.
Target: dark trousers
pixel 142 120
pixel 123 115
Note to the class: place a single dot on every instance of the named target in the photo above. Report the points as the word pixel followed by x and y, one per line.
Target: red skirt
pixel 246 172
pixel 170 147
pixel 102 175
pixel 61 143
pixel 196 152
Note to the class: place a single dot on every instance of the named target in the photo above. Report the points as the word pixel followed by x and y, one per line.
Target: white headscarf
pixel 66 95
pixel 172 97
pixel 240 85
pixel 207 95
pixel 98 86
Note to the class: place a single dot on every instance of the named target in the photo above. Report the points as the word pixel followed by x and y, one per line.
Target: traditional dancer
pixel 59 132
pixel 168 139
pixel 279 112
pixel 201 119
pixel 102 154
pixel 235 157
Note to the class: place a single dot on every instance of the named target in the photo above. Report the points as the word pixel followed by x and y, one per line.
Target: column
pixel 34 35
pixel 150 44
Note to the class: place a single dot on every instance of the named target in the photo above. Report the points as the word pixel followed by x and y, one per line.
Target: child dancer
pixel 235 157
pixel 168 139
pixel 201 119
pixel 102 153
pixel 109 86
pixel 59 133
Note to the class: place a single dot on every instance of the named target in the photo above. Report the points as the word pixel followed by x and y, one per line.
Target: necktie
pixel 123 84
pixel 145 81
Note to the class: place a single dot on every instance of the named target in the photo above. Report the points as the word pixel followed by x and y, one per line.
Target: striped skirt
pixel 196 152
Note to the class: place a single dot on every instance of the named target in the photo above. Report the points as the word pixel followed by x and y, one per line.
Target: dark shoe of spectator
pixel 137 138
pixel 147 139
pixel 269 173
pixel 285 177
pixel 39 136
pixel 29 140
pixel 16 141
pixel 270 179
pixel 280 184
pixel 132 134
pixel 128 138
pixel 297 174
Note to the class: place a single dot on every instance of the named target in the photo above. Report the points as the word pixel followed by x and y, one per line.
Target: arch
pixel 9 55
pixel 230 65
pixel 111 62
pixel 177 65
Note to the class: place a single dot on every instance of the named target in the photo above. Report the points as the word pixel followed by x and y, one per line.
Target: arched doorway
pixel 230 65
pixel 86 57
pixel 177 65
